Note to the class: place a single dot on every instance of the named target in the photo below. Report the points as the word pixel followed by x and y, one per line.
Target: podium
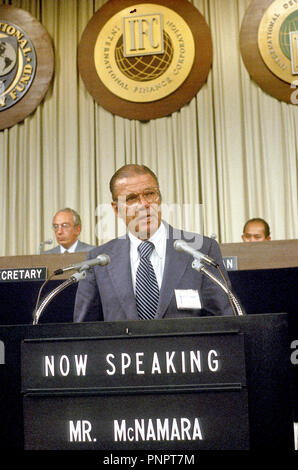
pixel 219 383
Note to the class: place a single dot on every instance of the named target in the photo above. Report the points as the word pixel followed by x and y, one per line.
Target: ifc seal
pixel 144 56
pixel 145 60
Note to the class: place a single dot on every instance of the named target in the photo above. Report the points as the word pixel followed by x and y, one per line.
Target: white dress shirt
pixel 158 255
pixel 72 249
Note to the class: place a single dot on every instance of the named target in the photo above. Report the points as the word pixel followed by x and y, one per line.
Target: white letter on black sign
pixel 125 362
pixel 64 359
pixel 49 366
pixel 81 363
pixel 111 372
pixel 80 432
pixel 212 363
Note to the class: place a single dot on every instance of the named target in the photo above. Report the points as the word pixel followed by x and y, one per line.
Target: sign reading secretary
pixel 147 60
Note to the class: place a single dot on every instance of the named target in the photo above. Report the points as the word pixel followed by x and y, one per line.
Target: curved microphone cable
pixel 229 293
pixel 39 294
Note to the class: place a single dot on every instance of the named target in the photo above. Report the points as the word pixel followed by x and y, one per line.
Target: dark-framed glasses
pixel 150 195
pixel 64 226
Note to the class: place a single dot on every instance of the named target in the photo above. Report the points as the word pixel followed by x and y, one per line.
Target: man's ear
pixel 115 208
pixel 78 229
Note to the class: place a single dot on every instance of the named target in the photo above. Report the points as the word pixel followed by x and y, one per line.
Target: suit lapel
pixel 79 246
pixel 120 273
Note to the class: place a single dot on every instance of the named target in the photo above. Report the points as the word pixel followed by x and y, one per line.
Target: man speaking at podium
pixel 147 277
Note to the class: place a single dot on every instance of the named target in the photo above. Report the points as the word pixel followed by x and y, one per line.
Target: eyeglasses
pixel 64 226
pixel 150 195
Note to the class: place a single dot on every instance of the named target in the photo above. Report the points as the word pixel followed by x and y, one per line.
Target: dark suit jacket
pixel 107 291
pixel 81 246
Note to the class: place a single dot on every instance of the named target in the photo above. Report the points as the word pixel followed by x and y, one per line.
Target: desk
pixel 274 254
pixel 266 282
pixel 261 255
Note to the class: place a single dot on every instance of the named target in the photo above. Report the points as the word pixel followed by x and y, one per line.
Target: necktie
pixel 147 291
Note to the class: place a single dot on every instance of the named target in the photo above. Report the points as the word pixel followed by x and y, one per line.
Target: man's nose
pixel 142 201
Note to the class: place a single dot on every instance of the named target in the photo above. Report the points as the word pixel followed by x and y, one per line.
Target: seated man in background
pixel 67 227
pixel 256 230
pixel 147 278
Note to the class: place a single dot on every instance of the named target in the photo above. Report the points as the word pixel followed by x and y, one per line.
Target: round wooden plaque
pixel 261 30
pixel 119 43
pixel 26 45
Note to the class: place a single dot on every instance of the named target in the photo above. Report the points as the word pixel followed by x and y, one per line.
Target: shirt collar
pixel 71 249
pixel 158 239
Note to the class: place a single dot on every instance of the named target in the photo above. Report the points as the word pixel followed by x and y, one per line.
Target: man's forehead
pixel 135 183
pixel 63 215
pixel 254 226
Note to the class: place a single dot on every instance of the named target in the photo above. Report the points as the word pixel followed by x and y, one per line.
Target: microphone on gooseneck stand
pixel 81 268
pixel 42 244
pixel 198 264
pixel 101 260
pixel 181 245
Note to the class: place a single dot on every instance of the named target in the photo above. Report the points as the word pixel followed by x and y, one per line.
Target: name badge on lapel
pixel 187 299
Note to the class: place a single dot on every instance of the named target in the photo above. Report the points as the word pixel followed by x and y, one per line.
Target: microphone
pixel 181 245
pixel 46 242
pixel 101 260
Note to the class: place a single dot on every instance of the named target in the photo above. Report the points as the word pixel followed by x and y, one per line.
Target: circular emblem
pixel 145 60
pixel 17 65
pixel 132 68
pixel 26 64
pixel 269 45
pixel 276 42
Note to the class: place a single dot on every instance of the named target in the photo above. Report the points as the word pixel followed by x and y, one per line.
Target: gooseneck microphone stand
pixel 72 280
pixel 237 309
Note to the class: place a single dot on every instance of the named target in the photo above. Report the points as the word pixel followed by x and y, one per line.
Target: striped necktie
pixel 147 291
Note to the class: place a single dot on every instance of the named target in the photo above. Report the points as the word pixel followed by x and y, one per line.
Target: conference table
pixel 263 276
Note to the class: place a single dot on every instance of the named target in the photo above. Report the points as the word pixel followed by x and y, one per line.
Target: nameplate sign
pixel 156 392
pixel 231 263
pixel 217 420
pixel 205 360
pixel 23 274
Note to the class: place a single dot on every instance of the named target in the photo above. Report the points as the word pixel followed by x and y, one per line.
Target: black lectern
pixel 219 383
